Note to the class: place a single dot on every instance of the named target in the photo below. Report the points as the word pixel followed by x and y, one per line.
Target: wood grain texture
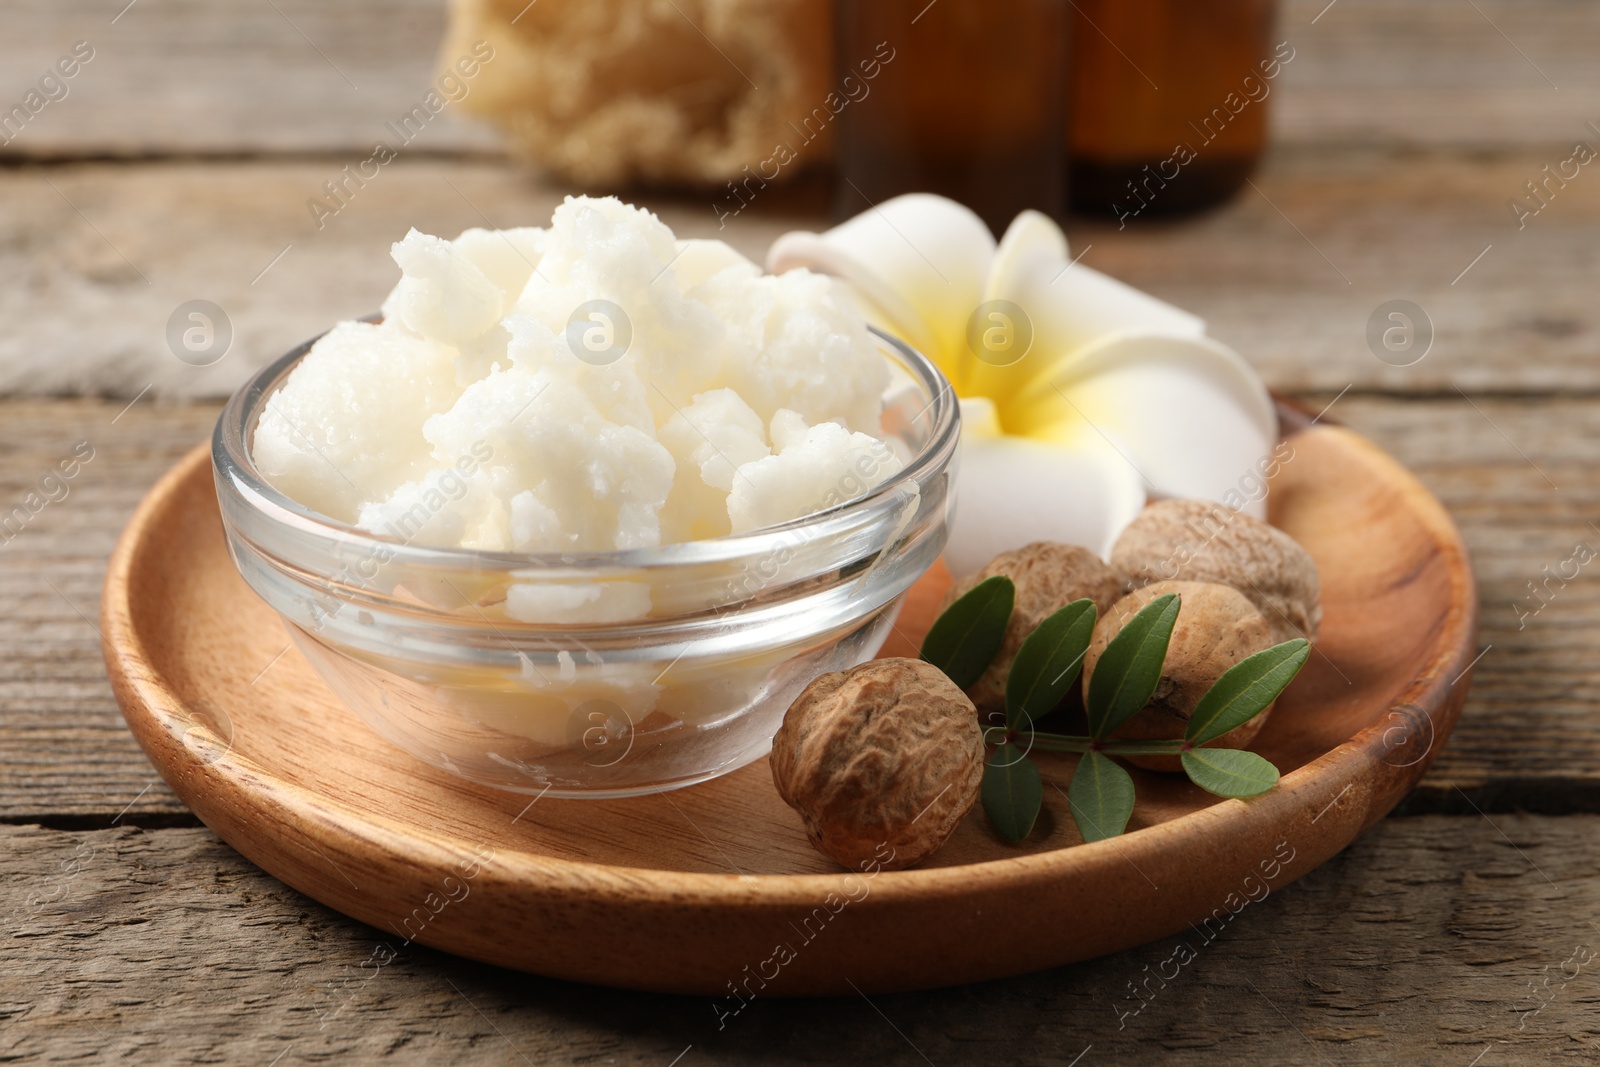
pixel 62 744
pixel 95 258
pixel 188 77
pixel 1520 478
pixel 1420 944
pixel 1435 74
pixel 1288 275
pixel 1373 73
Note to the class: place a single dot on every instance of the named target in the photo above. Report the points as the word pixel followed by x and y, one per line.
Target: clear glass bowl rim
pixel 232 461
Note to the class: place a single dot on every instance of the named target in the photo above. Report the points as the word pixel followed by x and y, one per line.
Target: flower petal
pixel 979 417
pixel 1074 304
pixel 1195 419
pixel 1068 306
pixel 918 261
pixel 1011 491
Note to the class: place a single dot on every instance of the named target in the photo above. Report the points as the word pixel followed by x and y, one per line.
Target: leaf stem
pixel 1071 743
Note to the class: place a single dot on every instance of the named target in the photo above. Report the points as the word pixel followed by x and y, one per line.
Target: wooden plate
pixel 713 889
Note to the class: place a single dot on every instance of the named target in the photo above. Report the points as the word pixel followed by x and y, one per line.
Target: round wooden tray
pixel 713 889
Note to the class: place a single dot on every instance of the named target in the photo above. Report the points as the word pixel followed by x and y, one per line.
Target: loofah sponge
pixel 604 92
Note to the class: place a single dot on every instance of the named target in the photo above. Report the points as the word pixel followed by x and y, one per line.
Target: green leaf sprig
pixel 965 639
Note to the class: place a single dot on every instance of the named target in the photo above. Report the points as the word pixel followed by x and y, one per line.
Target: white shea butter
pixel 595 386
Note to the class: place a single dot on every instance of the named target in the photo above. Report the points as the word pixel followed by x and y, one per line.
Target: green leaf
pixel 1012 793
pixel 1101 797
pixel 1048 662
pixel 1229 772
pixel 1246 689
pixel 1130 667
pixel 963 641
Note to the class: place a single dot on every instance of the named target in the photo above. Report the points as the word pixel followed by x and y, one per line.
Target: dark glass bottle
pixel 968 101
pixel 1169 102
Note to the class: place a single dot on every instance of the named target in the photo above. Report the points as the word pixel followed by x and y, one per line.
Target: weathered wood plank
pixel 1438 74
pixel 1373 73
pixel 1520 479
pixel 1423 943
pixel 185 77
pixel 1528 737
pixel 1291 273
pixel 62 734
pixel 95 258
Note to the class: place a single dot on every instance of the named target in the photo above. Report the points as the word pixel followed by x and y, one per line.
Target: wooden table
pixel 1462 930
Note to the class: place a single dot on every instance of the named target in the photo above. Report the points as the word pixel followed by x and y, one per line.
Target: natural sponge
pixel 610 91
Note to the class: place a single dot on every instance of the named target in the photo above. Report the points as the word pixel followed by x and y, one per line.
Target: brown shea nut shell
pixel 1203 541
pixel 1217 627
pixel 1048 577
pixel 881 761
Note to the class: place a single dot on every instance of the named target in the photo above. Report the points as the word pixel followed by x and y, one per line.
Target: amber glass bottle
pixel 967 100
pixel 1169 102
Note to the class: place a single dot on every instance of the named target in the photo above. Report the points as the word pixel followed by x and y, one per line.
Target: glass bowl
pixel 416 641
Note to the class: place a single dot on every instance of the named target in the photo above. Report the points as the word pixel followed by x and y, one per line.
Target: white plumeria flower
pixel 1080 396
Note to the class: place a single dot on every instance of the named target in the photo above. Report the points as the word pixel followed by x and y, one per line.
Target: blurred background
pixel 188 158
